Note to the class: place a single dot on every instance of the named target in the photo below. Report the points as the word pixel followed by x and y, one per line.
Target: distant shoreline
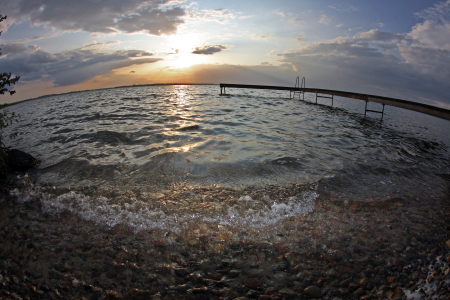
pixel 100 89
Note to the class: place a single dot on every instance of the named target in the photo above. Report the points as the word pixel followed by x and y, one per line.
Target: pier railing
pixel 405 104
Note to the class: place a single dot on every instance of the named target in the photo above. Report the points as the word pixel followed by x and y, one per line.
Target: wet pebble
pixel 234 273
pixel 139 294
pixel 312 292
pixel 336 256
pixel 359 292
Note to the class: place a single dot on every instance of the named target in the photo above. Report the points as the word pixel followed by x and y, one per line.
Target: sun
pixel 183 45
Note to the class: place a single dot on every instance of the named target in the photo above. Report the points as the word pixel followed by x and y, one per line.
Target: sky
pixel 394 48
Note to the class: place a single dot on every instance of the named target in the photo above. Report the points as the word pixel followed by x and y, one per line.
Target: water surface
pixel 164 156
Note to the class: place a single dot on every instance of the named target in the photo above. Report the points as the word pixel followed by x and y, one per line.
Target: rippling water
pixel 158 156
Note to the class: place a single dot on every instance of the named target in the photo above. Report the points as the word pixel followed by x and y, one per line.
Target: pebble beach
pixel 393 249
pixel 176 192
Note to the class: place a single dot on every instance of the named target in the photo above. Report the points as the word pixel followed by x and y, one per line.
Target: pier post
pixel 375 111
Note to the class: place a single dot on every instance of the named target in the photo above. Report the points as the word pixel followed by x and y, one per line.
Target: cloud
pixel 434 31
pixel 377 35
pixel 297 21
pixel 324 19
pixel 429 53
pixel 219 15
pixel 261 37
pixel 436 13
pixel 154 21
pixel 280 13
pixel 338 7
pixel 68 67
pixel 17 48
pixel 433 62
pixel 433 34
pixel 299 40
pixel 377 62
pixel 98 46
pixel 36 38
pixel 260 74
pixel 209 49
pixel 101 16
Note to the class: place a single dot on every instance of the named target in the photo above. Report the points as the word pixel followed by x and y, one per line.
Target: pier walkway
pixel 320 93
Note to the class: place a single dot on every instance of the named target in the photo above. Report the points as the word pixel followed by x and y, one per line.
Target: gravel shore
pixel 393 249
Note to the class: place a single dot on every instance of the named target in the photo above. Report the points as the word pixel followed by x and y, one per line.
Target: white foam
pixel 141 216
pixel 246 198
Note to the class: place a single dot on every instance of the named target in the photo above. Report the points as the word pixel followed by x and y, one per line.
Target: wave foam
pixel 142 216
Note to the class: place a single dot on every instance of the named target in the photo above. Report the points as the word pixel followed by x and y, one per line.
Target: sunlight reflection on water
pixel 150 143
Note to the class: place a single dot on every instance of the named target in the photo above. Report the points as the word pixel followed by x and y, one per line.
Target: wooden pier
pixel 415 106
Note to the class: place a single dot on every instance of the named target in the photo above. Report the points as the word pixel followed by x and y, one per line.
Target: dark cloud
pixel 377 35
pixel 154 21
pixel 433 62
pixel 69 67
pixel 340 47
pixel 17 48
pixel 36 38
pixel 209 49
pixel 415 66
pixel 103 16
pixel 376 62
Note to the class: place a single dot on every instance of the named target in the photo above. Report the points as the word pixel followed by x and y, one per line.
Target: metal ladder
pixel 297 85
pixel 375 111
pixel 327 97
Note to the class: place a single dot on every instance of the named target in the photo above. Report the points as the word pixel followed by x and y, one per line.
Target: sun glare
pixel 183 45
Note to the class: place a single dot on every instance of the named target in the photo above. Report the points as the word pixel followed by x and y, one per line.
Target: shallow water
pixel 161 157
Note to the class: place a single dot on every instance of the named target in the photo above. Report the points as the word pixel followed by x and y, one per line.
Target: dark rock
pixel 56 275
pixel 313 292
pixel 113 295
pixel 135 268
pixel 353 286
pixel 119 267
pixel 252 294
pixel 200 290
pixel 359 292
pixel 151 278
pixel 285 292
pixel 182 272
pixel 343 291
pixel 346 282
pixel 182 288
pixel 139 294
pixel 234 273
pixel 20 161
pixel 254 284
pixel 112 274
